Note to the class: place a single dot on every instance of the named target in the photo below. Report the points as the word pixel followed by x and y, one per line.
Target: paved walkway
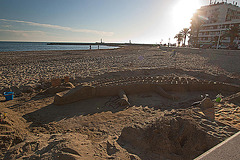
pixel 227 150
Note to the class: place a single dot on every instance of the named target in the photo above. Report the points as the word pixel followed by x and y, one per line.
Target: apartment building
pixel 215 20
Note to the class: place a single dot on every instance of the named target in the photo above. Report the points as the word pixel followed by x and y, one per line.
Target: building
pixel 211 23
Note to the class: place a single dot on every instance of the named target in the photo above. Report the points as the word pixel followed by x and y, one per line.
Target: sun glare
pixel 183 12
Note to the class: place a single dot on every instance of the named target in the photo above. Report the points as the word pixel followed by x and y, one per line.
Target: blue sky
pixel 141 21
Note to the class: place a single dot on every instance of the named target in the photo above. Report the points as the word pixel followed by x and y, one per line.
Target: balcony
pixel 216 29
pixel 207 36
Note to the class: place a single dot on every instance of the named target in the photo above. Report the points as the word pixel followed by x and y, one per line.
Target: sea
pixel 42 46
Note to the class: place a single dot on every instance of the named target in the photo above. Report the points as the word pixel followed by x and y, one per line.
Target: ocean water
pixel 41 46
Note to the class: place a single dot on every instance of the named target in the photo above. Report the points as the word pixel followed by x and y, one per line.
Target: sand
pixel 22 68
pixel 92 129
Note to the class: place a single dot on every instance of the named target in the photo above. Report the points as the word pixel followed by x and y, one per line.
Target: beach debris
pixel 123 98
pixel 69 85
pixel 116 102
pixel 4 115
pixel 206 95
pixel 206 103
pixel 219 98
pixel 8 95
pixel 140 58
pixel 207 107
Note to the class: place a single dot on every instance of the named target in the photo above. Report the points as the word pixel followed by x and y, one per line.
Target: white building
pixel 216 19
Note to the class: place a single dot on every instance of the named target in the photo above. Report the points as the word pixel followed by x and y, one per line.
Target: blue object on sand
pixel 8 95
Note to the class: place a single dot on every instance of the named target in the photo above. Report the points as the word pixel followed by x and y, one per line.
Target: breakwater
pixel 106 44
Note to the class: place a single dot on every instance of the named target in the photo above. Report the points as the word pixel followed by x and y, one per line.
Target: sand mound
pixel 70 146
pixel 235 98
pixel 179 134
pixel 12 130
pixel 57 146
pixel 168 137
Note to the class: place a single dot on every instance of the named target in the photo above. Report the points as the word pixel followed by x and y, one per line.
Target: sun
pixel 183 11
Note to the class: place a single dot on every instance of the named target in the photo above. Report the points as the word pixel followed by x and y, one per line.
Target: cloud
pixel 6 26
pixel 20 31
pixel 61 27
pixel 23 33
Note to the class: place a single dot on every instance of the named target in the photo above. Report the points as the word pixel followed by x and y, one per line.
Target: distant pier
pixel 105 44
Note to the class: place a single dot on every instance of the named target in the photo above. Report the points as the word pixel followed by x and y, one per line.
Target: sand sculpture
pixel 132 85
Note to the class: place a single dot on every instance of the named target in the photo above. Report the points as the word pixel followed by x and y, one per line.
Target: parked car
pixel 224 47
pixel 233 47
pixel 213 47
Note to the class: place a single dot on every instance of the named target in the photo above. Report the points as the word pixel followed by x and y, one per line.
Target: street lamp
pixel 220 32
pixel 219 36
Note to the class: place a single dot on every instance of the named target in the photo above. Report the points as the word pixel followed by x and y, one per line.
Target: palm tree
pixel 233 33
pixel 185 33
pixel 179 38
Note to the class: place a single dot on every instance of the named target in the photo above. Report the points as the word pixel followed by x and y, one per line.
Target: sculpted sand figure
pixel 133 85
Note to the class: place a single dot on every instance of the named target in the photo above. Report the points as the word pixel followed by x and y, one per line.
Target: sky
pixel 141 21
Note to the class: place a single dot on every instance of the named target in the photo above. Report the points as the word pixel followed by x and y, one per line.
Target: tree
pixel 185 33
pixel 179 38
pixel 233 32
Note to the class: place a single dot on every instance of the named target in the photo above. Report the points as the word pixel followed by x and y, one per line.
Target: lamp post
pixel 220 32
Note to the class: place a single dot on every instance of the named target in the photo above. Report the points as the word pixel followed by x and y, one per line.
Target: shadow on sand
pixel 53 112
pixel 56 113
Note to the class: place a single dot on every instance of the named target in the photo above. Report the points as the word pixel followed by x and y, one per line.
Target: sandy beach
pixel 22 68
pixel 35 128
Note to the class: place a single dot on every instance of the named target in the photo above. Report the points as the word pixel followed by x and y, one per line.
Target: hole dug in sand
pixel 167 138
